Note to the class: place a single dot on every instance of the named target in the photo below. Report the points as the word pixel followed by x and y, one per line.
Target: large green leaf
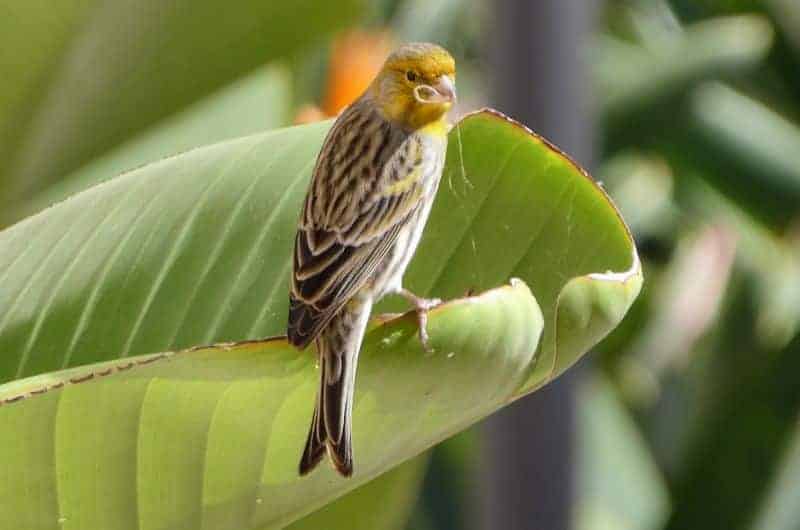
pixel 395 492
pixel 209 438
pixel 195 249
pixel 80 77
pixel 257 102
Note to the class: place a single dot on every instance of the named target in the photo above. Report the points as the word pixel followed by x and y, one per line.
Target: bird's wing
pixel 365 186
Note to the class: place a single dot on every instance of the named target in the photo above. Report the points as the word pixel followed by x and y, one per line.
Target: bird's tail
pixel 331 427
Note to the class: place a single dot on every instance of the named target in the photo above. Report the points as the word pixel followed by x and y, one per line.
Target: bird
pixel 368 201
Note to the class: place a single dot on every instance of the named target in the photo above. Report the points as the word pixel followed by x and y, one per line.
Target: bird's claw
pixel 422 306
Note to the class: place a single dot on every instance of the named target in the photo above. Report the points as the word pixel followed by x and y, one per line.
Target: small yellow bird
pixel 369 199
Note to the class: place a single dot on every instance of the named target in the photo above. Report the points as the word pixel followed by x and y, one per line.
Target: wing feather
pixel 352 215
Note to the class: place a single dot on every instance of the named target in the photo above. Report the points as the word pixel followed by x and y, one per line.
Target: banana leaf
pixel 98 432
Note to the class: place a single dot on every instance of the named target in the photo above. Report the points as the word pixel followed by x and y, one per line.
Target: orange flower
pixel 356 58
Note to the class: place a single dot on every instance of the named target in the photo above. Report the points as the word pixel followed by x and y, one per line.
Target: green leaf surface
pixel 81 77
pixel 209 438
pixel 195 249
pixel 384 503
pixel 258 102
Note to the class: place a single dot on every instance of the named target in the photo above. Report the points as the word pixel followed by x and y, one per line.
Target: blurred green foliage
pixel 699 113
pixel 709 162
pixel 689 416
pixel 82 77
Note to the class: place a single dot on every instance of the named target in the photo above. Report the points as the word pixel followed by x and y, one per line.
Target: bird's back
pixel 355 208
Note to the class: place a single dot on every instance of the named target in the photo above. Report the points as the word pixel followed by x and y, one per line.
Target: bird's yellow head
pixel 416 85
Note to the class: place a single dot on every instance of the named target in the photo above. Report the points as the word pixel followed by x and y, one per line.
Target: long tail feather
pixel 315 444
pixel 331 428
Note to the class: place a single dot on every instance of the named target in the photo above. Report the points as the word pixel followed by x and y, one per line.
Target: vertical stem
pixel 536 52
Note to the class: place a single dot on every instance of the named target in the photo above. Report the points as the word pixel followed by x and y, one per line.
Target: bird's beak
pixel 442 91
pixel 446 88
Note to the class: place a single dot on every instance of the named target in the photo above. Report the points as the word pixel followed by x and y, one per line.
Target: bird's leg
pixel 422 306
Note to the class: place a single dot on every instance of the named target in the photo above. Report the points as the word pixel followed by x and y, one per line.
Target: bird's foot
pixel 421 306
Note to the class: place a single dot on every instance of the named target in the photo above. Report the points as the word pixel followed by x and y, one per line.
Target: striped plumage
pixel 369 198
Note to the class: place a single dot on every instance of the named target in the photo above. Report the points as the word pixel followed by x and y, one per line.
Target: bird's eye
pixel 411 75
